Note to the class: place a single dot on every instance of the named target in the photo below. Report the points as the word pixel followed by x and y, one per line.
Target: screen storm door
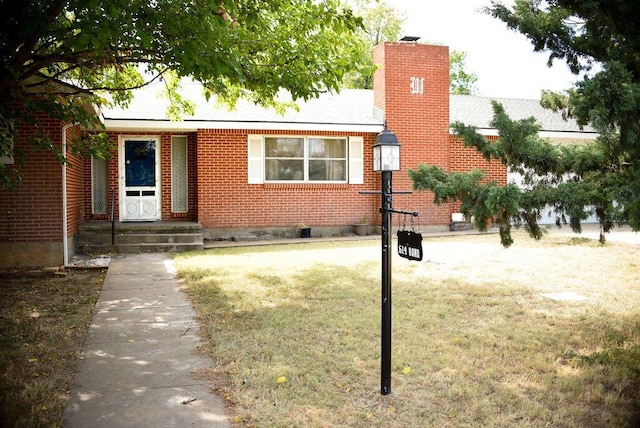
pixel 139 179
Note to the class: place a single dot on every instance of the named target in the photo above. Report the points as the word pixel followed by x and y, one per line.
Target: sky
pixel 502 59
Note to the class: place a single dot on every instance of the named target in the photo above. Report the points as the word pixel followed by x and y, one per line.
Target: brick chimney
pixel 411 88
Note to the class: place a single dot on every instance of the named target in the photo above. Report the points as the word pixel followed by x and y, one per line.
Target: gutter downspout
pixel 65 250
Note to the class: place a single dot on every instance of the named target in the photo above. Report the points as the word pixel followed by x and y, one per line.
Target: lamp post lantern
pixel 386 159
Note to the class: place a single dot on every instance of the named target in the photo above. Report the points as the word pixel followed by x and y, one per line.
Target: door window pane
pixel 140 163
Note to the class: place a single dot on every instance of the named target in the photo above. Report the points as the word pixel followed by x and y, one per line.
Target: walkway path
pixel 592 231
pixel 139 354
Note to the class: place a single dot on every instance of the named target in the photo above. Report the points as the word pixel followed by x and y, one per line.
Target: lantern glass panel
pixel 390 158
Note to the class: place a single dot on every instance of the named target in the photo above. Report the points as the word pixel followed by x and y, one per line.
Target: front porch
pixel 99 237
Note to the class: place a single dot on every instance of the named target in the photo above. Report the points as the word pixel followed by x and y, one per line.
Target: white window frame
pixel 353 162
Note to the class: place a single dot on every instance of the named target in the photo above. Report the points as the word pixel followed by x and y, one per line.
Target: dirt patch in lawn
pixel 44 317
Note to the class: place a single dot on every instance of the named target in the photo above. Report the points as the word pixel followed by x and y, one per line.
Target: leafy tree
pixel 461 82
pixel 58 56
pixel 602 177
pixel 383 23
pixel 380 23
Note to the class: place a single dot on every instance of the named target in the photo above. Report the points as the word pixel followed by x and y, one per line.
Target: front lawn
pixel 541 334
pixel 43 323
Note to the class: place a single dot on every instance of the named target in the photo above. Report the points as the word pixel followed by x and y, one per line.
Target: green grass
pixel 475 340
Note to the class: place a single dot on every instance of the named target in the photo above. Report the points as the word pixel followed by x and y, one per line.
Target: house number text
pixel 417 85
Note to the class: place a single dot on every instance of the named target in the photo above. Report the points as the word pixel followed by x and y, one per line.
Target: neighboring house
pixel 478 111
pixel 253 170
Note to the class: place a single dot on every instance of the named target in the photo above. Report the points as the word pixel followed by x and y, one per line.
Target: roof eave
pixel 577 135
pixel 193 125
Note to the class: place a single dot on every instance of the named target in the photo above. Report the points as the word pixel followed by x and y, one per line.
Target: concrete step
pixel 156 237
pixel 142 238
pixel 102 227
pixel 141 248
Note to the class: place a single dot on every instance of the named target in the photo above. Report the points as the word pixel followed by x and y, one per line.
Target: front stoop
pixel 139 237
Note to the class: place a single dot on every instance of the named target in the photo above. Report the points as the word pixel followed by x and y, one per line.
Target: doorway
pixel 140 179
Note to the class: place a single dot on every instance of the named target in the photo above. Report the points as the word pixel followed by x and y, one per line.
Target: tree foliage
pixel 380 23
pixel 602 177
pixel 58 56
pixel 461 82
pixel 383 23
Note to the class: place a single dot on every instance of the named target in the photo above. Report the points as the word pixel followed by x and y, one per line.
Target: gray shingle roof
pixel 478 111
pixel 349 107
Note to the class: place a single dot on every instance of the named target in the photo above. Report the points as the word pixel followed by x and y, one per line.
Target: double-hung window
pixel 305 159
pixel 282 159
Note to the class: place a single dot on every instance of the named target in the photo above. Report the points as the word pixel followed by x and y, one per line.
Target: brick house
pixel 251 169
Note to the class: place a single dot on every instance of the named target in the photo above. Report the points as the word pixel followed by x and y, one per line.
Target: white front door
pixel 139 179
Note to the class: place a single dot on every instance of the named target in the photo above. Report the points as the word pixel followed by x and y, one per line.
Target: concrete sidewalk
pixel 138 356
pixel 592 231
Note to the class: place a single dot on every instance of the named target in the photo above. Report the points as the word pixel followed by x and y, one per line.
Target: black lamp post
pixel 386 158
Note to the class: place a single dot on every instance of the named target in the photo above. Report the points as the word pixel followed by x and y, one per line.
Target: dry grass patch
pixel 43 323
pixel 481 334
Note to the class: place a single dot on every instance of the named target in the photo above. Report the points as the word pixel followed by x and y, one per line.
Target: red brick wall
pixel 415 98
pixel 225 200
pixel 379 77
pixel 32 212
pixel 75 185
pixel 465 159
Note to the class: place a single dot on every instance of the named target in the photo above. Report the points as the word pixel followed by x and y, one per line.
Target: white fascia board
pixel 193 126
pixel 569 135
pixel 545 134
